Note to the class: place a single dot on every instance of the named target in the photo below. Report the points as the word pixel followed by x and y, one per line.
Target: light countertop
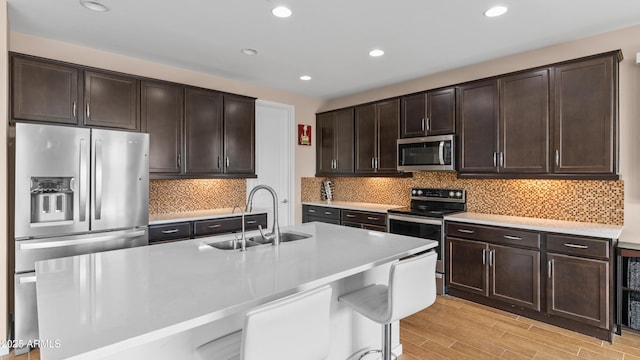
pixel 382 208
pixel 546 225
pixel 103 303
pixel 166 218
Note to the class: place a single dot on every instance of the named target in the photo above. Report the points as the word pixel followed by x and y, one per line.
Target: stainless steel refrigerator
pixel 75 191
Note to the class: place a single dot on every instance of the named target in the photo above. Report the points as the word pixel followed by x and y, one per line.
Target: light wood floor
pixel 458 329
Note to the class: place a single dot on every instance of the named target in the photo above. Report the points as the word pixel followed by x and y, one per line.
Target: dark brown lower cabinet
pixel 578 289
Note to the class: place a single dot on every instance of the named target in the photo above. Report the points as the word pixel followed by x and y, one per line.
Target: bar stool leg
pixel 386 342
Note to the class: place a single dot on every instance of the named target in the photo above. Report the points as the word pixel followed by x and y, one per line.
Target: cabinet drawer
pixel 321 211
pixel 578 245
pixel 364 217
pixel 251 222
pixel 216 226
pixel 167 232
pixel 496 235
pixel 321 219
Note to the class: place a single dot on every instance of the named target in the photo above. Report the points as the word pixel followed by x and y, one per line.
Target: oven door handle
pixel 415 219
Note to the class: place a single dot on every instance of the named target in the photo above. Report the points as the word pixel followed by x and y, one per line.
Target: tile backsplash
pixel 168 196
pixel 598 201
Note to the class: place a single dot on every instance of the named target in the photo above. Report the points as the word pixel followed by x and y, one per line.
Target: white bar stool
pixel 412 287
pixel 295 327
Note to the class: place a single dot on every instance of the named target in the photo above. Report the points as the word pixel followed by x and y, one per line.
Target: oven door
pixel 421 227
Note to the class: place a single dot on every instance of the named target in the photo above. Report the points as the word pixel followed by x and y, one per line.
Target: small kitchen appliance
pixel 327 190
pixel 424 218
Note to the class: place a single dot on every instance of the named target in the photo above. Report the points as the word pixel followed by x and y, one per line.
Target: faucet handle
pixel 264 235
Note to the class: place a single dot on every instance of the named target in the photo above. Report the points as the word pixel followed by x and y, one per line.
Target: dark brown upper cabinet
pixel 162 117
pixel 477 126
pixel 376 132
pixel 111 100
pixel 430 113
pixel 524 123
pixel 203 131
pixel 584 120
pixel 44 91
pixel 335 142
pixel 239 135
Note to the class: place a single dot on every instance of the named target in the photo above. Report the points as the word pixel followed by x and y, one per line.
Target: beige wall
pixel 626 39
pixel 3 165
pixel 305 107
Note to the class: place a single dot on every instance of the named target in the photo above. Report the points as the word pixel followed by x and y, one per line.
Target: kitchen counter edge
pixel 168 218
pixel 381 208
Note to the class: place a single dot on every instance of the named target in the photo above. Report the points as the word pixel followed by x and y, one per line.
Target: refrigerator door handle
pixel 82 186
pixel 91 240
pixel 98 180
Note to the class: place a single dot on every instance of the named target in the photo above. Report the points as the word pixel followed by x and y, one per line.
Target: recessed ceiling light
pixel 282 12
pixel 94 5
pixel 249 51
pixel 305 77
pixel 496 11
pixel 376 53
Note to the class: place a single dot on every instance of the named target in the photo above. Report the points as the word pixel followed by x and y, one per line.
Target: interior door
pixel 120 179
pixel 274 159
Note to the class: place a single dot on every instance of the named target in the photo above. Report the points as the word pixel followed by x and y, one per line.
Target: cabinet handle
pixel 218 162
pixel 328 213
pixel 350 216
pixel 510 237
pixel 377 163
pixel 549 268
pixel 428 124
pixel 576 246
pixel 492 256
pixel 495 159
pixel 557 157
pixel 172 231
pixel 373 163
pixel 373 218
pixel 88 111
pixel 422 126
pixel 501 159
pixel 227 161
pixel 251 222
pixel 335 164
pixel 74 109
pixel 484 256
pixel 466 231
pixel 311 211
pixel 214 226
pixel 179 162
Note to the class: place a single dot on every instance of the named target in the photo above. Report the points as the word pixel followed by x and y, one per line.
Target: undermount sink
pixel 284 237
pixel 231 244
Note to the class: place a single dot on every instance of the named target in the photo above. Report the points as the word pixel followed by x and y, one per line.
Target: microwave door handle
pixel 441 152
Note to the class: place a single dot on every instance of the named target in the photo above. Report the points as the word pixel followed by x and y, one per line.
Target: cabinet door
pixel 161 113
pixel 524 123
pixel 468 266
pixel 325 143
pixel 441 112
pixel 111 100
pixel 584 117
pixel 515 276
pixel 388 122
pixel 413 120
pixel 365 132
pixel 239 135
pixel 344 148
pixel 578 289
pixel 203 131
pixel 43 91
pixel 478 124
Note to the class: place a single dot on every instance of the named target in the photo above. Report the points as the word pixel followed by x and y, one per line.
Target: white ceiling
pixel 326 39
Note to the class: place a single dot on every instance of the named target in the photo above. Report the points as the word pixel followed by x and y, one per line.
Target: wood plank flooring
pixel 458 329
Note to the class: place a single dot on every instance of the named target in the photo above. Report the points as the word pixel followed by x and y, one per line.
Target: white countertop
pixel 166 218
pixel 555 226
pixel 103 303
pixel 354 205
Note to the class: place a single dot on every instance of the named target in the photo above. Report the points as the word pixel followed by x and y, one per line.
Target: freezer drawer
pixel 30 251
pixel 25 311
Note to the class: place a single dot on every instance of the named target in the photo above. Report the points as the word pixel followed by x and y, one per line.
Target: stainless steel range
pixel 423 218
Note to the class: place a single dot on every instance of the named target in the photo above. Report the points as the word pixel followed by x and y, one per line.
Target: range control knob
pixel 419 192
pixel 451 193
pixel 414 192
pixel 459 194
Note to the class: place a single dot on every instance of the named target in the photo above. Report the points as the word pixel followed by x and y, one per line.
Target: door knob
pixel 285 201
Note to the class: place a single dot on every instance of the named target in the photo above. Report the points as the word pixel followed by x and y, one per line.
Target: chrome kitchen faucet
pixel 274 235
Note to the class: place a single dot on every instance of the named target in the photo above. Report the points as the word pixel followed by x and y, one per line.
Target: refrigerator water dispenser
pixel 51 199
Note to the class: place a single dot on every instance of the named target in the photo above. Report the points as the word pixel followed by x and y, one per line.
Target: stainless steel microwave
pixel 430 153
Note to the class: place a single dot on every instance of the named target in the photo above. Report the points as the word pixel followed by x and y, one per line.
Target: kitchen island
pixel 164 301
